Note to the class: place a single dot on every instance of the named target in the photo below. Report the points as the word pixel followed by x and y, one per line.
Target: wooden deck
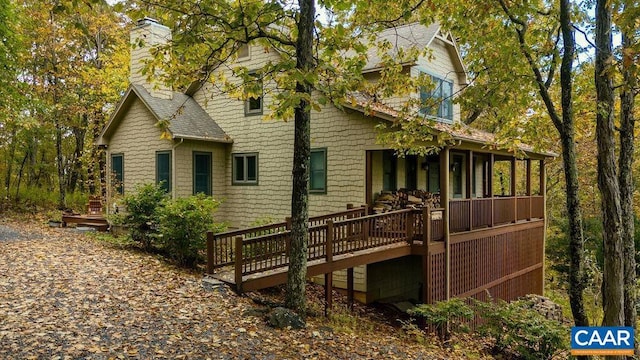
pixel 473 258
pixel 98 222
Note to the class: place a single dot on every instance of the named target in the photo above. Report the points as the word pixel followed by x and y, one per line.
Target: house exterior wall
pixel 137 138
pixel 183 168
pixel 345 135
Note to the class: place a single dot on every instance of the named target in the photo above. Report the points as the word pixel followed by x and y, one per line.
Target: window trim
pixel 121 155
pixel 193 171
pixel 424 110
pixel 322 191
pixel 169 182
pixel 249 112
pixel 245 170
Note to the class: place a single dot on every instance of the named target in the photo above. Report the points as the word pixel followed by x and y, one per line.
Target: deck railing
pixel 221 252
pixel 487 212
pixel 271 251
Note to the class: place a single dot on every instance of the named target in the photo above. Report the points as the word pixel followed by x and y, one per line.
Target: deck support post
pixel 528 191
pixel 328 277
pixel 469 188
pixel 444 202
pixel 514 192
pixel 210 253
pixel 350 288
pixel 426 239
pixel 238 264
pixel 328 299
pixel 492 161
pixel 543 192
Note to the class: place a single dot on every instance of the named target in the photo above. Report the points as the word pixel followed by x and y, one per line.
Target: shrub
pixel 183 224
pixel 142 213
pixel 520 330
pixel 446 316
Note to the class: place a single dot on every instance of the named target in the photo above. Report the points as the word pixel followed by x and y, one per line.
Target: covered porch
pixel 477 189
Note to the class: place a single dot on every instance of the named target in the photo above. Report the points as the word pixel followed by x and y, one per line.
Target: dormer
pixel 442 63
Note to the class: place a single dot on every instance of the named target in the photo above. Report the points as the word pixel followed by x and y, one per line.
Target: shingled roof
pixel 187 119
pixel 458 131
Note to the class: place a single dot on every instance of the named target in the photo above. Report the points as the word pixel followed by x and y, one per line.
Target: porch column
pixel 469 187
pixel 490 185
pixel 543 192
pixel 514 188
pixel 368 196
pixel 529 189
pixel 444 203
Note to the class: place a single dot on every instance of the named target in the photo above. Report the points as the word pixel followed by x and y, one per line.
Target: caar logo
pixel 601 340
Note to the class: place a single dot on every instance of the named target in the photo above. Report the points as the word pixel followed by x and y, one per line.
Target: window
pixel 163 169
pixel 245 169
pixel 202 173
pixel 253 104
pixel 243 52
pixel 389 171
pixel 117 169
pixel 438 101
pixel 457 161
pixel 318 171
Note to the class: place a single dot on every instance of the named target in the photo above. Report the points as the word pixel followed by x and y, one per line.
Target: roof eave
pixel 203 138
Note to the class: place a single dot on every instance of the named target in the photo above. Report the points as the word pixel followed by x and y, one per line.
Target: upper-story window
pixel 253 104
pixel 438 101
pixel 243 52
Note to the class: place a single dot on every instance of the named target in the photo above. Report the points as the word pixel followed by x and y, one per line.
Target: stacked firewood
pixel 403 199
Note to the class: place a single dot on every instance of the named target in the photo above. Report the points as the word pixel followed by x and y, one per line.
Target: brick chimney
pixel 147 34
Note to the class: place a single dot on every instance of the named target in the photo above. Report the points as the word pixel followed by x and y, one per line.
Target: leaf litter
pixel 64 295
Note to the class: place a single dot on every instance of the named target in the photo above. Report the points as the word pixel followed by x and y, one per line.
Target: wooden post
pixel 444 202
pixel 288 221
pixel 211 254
pixel 350 226
pixel 328 277
pixel 470 189
pixel 543 192
pixel 529 216
pixel 410 227
pixel 426 267
pixel 238 264
pixel 492 160
pixel 514 189
pixel 350 288
pixel 368 188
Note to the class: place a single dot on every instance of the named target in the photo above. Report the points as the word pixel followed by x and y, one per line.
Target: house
pixel 223 147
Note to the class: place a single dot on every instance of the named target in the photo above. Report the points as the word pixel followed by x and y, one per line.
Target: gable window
pixel 253 104
pixel 117 169
pixel 318 171
pixel 201 173
pixel 245 169
pixel 438 101
pixel 389 171
pixel 163 169
pixel 243 52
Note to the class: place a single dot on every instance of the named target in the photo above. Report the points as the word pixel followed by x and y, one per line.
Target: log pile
pixel 404 199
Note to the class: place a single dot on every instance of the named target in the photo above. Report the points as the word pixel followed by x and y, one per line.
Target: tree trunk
pixel 76 163
pixel 577 281
pixel 60 166
pixel 10 159
pixel 627 138
pixel 296 278
pixel 613 295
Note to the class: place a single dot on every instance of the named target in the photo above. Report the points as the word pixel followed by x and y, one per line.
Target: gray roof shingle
pixel 187 119
pixel 402 37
